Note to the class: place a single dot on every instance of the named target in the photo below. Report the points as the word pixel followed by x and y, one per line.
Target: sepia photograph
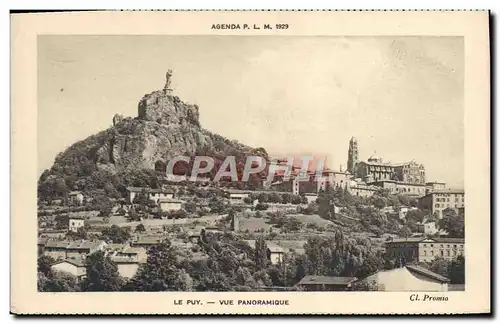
pixel 285 164
pixel 379 206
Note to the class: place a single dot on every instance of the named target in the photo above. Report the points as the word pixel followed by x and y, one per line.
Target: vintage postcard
pixel 250 163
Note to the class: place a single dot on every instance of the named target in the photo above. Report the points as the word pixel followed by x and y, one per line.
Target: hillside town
pixel 374 225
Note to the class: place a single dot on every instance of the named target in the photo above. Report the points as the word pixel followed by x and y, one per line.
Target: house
pixel 431 186
pixel 408 278
pixel 75 197
pixel 275 253
pixel 128 260
pixel 56 249
pixel 237 196
pixel 75 223
pixel 359 188
pixel 401 188
pixel 151 194
pixel 41 244
pixel 438 200
pixel 147 241
pixel 428 228
pixel 76 267
pixel 70 250
pixel 311 197
pixel 422 249
pixel 325 283
pixel 169 204
pixel 82 248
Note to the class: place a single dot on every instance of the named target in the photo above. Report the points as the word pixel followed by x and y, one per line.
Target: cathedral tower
pixel 353 156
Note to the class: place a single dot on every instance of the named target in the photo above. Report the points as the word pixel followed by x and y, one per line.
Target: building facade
pixel 75 223
pixel 375 170
pixel 401 188
pixel 420 249
pixel 439 200
pixel 431 186
pixel 168 204
pixel 151 194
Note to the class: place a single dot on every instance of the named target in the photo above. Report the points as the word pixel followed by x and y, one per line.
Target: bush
pixel 261 206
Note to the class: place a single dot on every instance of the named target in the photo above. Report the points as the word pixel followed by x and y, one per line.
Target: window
pixel 437 205
pixel 432 253
pixel 425 245
pixel 432 245
pixel 447 252
pixel 442 245
pixel 442 253
pixel 455 253
pixel 425 253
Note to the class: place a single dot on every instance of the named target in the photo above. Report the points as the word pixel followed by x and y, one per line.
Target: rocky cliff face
pixel 165 127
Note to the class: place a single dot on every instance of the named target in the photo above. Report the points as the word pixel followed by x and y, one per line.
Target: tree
pixel 216 205
pixel 456 270
pixel 115 234
pixel 104 205
pixel 190 207
pixel 405 231
pixel 102 274
pixel 141 199
pixel 62 221
pixel 263 198
pixel 80 234
pixel 261 206
pixel 260 253
pixel 57 282
pixel 44 264
pixel 416 216
pixel 160 272
pixel 452 223
pixel 439 266
pixel 133 216
pixel 140 228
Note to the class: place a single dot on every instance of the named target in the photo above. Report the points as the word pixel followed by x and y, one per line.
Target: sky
pixel 401 97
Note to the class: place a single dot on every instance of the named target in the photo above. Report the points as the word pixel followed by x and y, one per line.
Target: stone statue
pixel 168 80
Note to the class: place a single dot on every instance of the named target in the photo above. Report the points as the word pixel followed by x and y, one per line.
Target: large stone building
pixel 420 249
pixel 401 188
pixel 440 199
pixel 376 170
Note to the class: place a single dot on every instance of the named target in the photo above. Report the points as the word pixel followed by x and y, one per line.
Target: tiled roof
pixel 449 240
pixel 148 240
pixel 443 191
pixel 42 240
pixel 275 248
pixel 57 244
pixel 427 273
pixel 116 246
pixel 326 280
pixel 76 262
pixel 169 200
pixel 133 250
pixel 407 240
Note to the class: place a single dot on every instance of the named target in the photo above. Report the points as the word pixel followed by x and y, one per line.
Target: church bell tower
pixel 353 156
